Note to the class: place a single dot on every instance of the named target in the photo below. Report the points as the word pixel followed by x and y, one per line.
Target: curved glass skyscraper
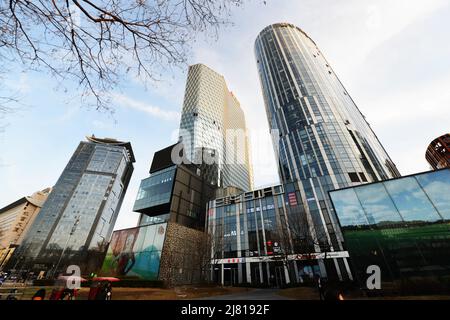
pixel 324 141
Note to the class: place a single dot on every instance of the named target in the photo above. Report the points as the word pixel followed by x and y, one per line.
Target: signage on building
pixel 292 199
pixel 308 256
pixel 276 247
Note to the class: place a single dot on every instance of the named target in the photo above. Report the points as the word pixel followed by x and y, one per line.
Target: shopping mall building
pixel 262 237
pixel 400 225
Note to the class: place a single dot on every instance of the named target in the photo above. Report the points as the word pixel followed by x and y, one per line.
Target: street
pixel 253 294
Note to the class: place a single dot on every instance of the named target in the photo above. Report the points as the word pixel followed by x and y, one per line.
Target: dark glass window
pixel 353 177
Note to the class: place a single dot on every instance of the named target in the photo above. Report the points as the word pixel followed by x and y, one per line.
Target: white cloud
pixel 383 19
pixel 348 33
pixel 431 101
pixel 18 85
pixel 153 111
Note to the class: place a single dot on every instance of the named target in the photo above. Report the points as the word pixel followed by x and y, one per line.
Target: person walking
pixel 320 287
pixel 104 291
pixel 108 289
pixel 94 291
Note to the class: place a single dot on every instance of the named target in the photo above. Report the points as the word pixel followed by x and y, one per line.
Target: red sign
pixel 292 199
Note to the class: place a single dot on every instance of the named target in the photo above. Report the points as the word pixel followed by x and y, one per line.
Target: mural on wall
pixel 135 252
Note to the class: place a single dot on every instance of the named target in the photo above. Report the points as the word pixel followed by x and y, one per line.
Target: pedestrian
pixel 56 294
pixel 102 292
pixel 108 291
pixel 68 294
pixel 320 287
pixel 94 290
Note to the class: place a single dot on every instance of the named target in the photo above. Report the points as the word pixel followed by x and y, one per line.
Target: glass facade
pixel 175 192
pixel 76 222
pixel 323 142
pixel 262 236
pixel 155 190
pixel 210 118
pixel 401 225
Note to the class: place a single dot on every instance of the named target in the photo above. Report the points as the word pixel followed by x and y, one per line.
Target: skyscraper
pixel 212 119
pixel 325 143
pixel 75 223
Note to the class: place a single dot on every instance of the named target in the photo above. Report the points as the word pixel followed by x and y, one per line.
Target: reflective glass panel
pixel 410 200
pixel 348 207
pixel 437 186
pixel 377 204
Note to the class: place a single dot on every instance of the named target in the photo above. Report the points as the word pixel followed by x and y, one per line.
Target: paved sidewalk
pixel 252 294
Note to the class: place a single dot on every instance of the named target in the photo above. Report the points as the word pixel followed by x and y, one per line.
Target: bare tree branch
pixel 97 42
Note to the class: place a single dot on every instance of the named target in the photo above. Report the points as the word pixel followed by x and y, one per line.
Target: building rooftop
pixel 114 142
pixel 285 24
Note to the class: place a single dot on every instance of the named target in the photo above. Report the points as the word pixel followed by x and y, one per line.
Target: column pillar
pixel 286 272
pixel 268 272
pixel 347 268
pixel 297 274
pixel 338 270
pixel 239 272
pixel 261 278
pixel 323 270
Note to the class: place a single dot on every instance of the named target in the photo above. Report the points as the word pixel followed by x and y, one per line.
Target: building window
pixel 363 177
pixel 353 177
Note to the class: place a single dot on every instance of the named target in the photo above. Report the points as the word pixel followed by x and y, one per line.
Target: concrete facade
pixel 15 221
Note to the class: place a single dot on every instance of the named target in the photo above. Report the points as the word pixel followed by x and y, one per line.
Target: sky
pixel 392 56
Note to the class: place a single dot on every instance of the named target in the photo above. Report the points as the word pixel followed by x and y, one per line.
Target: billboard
pixel 135 252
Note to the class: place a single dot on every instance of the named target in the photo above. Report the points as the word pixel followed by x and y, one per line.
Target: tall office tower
pixel 324 141
pixel 76 222
pixel 212 119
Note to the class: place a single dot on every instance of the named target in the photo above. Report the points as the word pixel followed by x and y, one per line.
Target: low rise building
pixel 400 226
pixel 262 237
pixel 170 243
pixel 15 220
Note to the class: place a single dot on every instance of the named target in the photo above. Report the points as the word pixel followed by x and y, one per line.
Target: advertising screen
pixel 135 252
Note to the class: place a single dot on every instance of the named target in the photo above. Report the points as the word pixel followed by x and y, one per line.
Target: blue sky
pixel 393 56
